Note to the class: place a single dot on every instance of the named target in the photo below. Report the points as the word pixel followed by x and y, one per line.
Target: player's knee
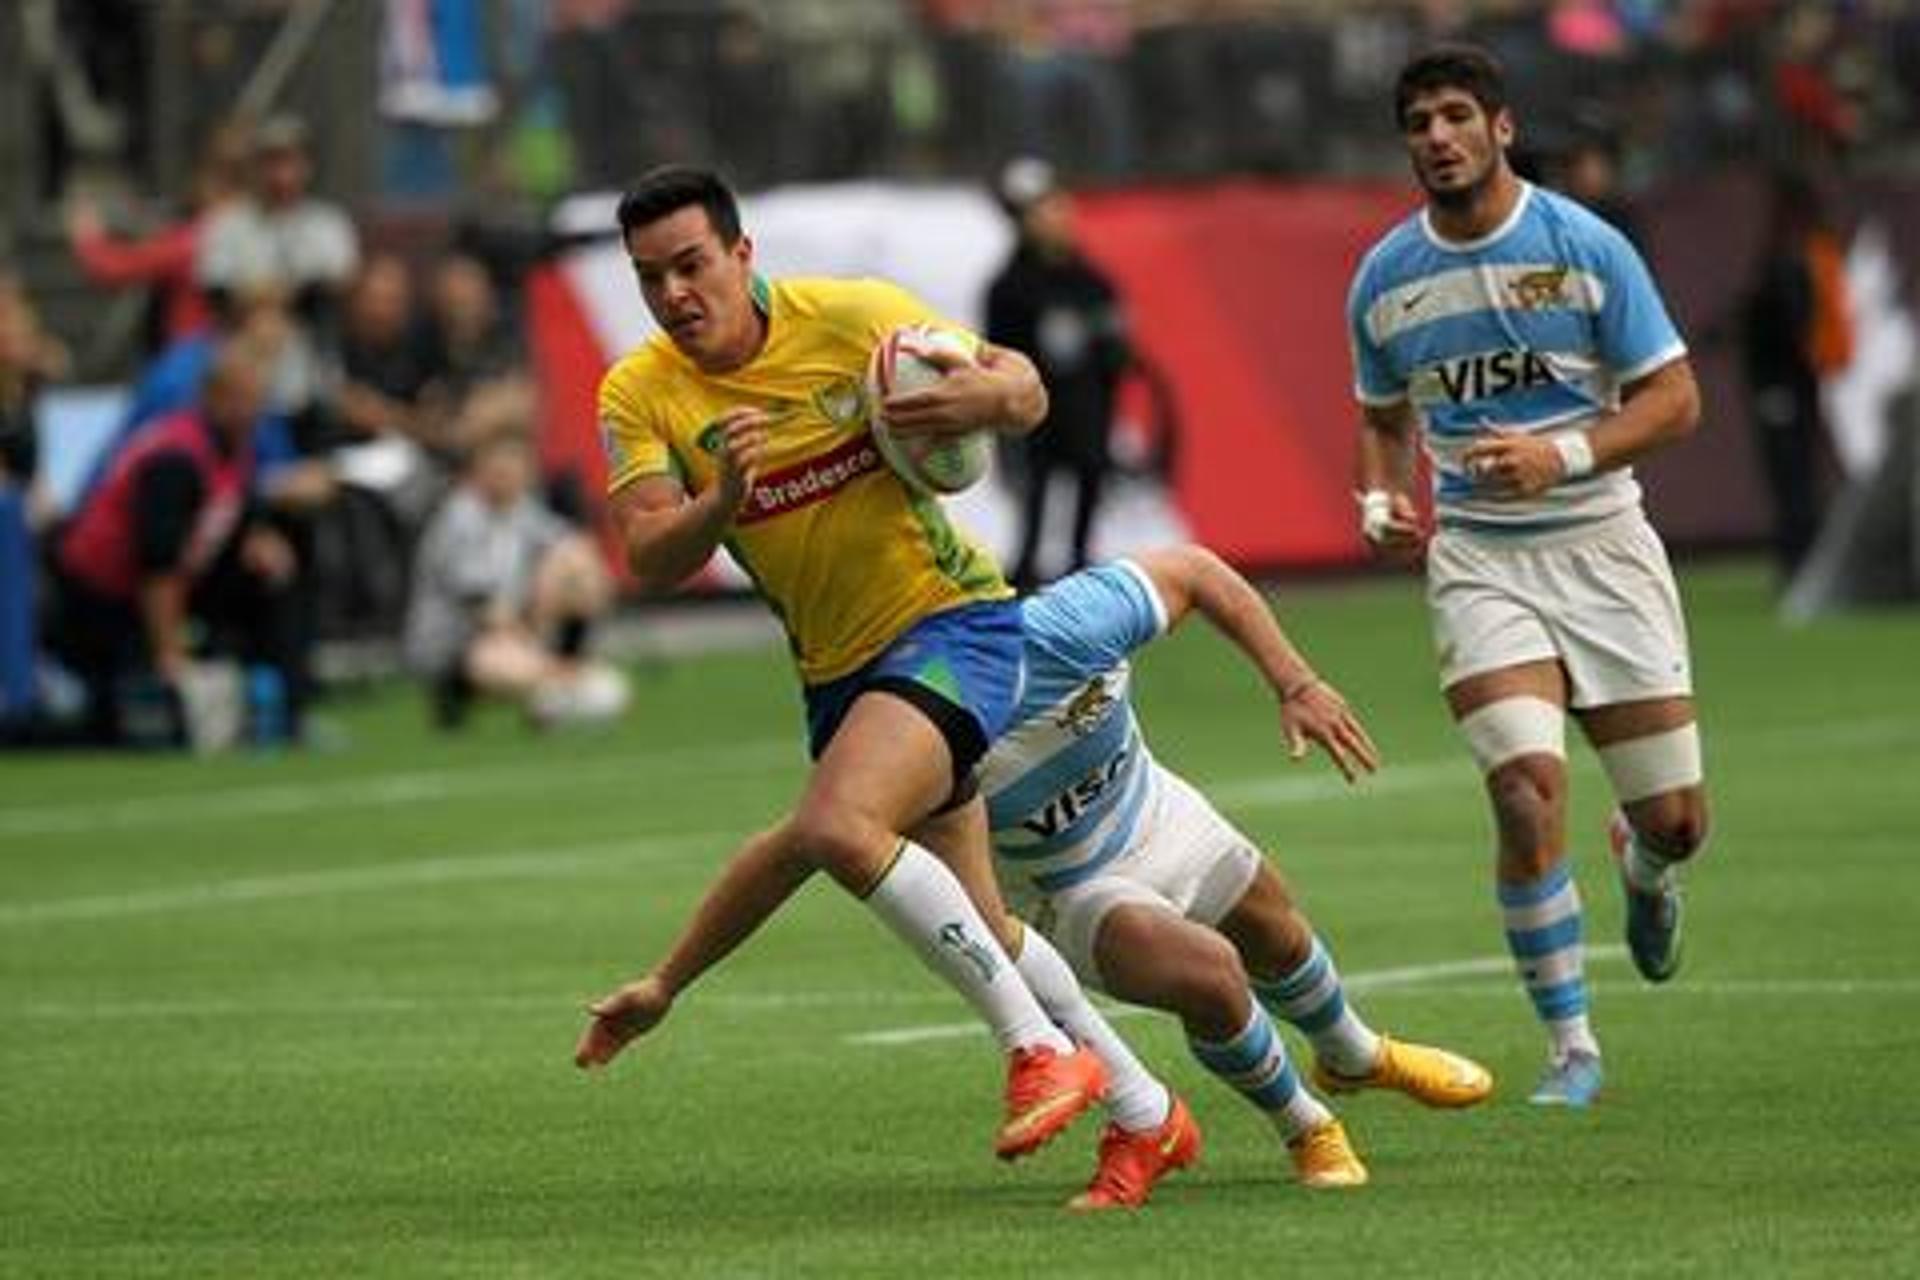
pixel 840 843
pixel 1213 989
pixel 1527 795
pixel 1673 825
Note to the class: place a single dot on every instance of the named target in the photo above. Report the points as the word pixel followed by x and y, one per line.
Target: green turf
pixel 311 1015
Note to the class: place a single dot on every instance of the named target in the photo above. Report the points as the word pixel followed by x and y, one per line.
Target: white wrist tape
pixel 1376 510
pixel 1576 453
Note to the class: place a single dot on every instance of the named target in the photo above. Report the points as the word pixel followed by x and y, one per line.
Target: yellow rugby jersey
pixel 845 552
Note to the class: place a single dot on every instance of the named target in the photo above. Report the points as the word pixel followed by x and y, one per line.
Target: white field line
pixel 1366 980
pixel 432 785
pixel 784 1003
pixel 523 864
pixel 421 786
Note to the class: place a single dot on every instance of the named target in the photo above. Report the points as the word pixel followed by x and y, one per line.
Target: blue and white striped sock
pixel 1542 919
pixel 1255 1063
pixel 1313 1001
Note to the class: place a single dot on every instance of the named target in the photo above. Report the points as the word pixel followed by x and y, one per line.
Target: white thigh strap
pixel 1654 764
pixel 1514 727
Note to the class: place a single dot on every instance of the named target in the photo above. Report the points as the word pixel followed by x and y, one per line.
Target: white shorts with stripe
pixel 1187 859
pixel 1601 599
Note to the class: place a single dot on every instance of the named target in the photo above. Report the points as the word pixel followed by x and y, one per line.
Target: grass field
pixel 313 1015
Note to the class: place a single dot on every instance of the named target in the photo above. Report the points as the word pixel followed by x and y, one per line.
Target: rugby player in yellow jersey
pixel 744 424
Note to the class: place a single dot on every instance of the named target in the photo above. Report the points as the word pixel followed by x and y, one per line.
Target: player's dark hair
pixel 1467 67
pixel 671 188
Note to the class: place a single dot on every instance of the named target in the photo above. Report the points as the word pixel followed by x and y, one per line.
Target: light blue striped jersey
pixel 1533 327
pixel 1069 783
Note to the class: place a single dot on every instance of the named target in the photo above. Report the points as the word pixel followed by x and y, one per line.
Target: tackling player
pixel 1525 335
pixel 1153 896
pixel 744 423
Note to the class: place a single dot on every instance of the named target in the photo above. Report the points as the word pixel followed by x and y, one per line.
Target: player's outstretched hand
pixel 624 1016
pixel 1319 715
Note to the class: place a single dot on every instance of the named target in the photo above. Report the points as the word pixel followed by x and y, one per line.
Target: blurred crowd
pixel 327 440
pixel 333 434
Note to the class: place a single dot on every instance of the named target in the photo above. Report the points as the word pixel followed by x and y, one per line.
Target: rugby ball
pixel 932 465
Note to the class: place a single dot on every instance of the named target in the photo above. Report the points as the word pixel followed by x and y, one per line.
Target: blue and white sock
pixel 1542 919
pixel 1255 1063
pixel 1313 1001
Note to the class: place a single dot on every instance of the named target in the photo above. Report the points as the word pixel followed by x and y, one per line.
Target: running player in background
pixel 1153 896
pixel 1527 338
pixel 744 422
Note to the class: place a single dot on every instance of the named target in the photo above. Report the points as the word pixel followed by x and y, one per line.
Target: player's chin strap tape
pixel 1654 764
pixel 1514 727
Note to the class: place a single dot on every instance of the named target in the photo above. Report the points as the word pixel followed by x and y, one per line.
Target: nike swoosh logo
pixel 1408 304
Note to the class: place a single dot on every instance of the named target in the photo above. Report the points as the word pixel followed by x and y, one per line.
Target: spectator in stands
pixel 28 358
pixel 165 258
pixel 166 561
pixel 281 235
pixel 504 595
pixel 287 479
pixel 388 359
pixel 1057 307
pixel 474 351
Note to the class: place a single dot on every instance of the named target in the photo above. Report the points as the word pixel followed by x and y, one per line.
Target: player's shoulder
pixel 851 300
pixel 1400 250
pixel 1569 221
pixel 646 369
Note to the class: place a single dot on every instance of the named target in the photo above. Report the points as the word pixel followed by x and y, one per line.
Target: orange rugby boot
pixel 1132 1163
pixel 1045 1091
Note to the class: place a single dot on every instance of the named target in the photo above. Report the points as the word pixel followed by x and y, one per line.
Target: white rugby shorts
pixel 1600 598
pixel 1188 859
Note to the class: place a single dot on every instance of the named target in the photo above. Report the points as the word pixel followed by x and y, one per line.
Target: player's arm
pixel 1193 579
pixel 1655 410
pixel 999 389
pixel 756 881
pixel 667 533
pixel 1389 520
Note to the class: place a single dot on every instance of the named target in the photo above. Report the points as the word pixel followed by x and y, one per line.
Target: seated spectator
pixel 387 358
pixel 475 353
pixel 280 234
pixel 287 478
pixel 504 594
pixel 164 258
pixel 165 562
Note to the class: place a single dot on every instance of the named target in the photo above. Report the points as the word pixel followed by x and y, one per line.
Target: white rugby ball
pixel 933 465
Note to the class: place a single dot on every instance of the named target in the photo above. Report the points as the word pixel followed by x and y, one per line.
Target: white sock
pixel 924 903
pixel 1646 870
pixel 1135 1099
pixel 1571 1035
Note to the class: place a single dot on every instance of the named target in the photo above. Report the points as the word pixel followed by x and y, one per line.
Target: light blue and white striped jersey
pixel 1070 782
pixel 1533 327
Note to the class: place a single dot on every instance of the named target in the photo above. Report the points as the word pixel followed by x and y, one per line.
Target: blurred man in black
pixel 1053 304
